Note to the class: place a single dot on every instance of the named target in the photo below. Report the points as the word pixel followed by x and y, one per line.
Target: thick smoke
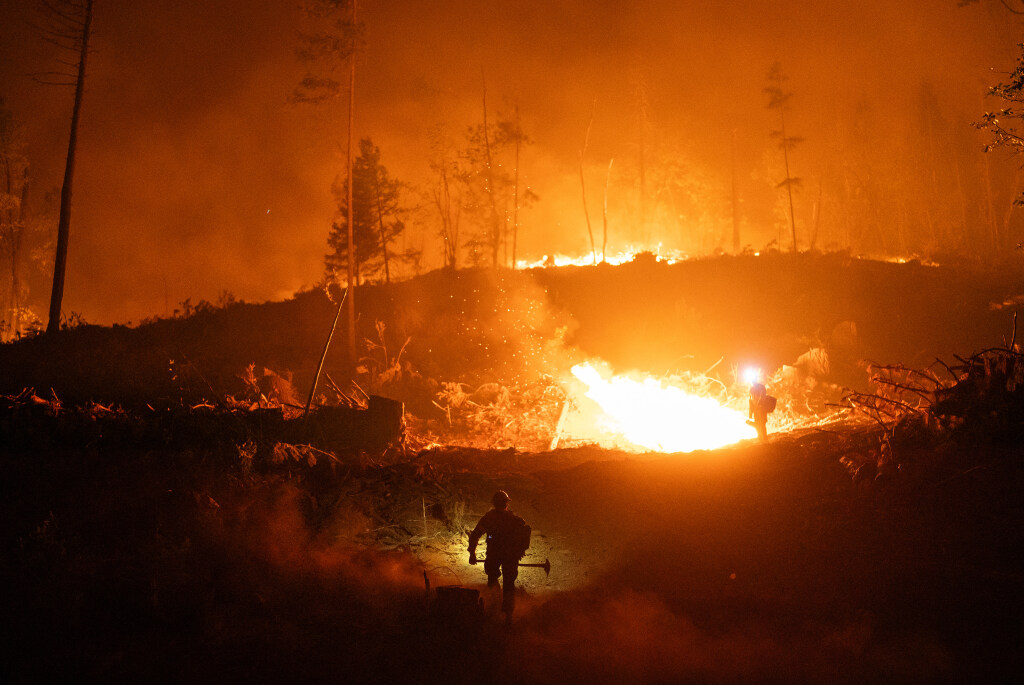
pixel 195 175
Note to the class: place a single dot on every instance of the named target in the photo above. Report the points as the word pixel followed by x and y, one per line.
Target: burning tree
pixel 779 99
pixel 376 218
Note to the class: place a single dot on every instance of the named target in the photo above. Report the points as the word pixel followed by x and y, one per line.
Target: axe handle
pixel 546 565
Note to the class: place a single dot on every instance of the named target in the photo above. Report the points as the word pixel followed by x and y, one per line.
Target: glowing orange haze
pixel 195 174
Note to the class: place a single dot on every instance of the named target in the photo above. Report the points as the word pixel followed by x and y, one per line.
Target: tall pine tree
pixel 376 219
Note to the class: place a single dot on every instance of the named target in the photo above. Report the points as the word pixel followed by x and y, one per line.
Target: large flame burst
pixel 653 414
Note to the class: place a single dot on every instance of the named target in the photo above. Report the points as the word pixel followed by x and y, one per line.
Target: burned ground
pixel 207 549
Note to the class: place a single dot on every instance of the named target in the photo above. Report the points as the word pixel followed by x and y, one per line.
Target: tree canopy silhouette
pixel 377 219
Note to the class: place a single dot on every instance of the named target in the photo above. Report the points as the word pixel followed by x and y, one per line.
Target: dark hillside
pixel 478 326
pixel 773 308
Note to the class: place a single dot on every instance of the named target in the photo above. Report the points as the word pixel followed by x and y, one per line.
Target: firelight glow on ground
pixel 655 415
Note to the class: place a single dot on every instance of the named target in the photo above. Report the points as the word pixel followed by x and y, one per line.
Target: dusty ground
pixel 769 563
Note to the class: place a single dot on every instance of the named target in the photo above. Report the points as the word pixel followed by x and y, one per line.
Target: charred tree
pixel 778 99
pixel 494 237
pixel 66 24
pixel 509 132
pixel 643 124
pixel 735 200
pixel 445 193
pixel 485 183
pixel 583 185
pixel 331 48
pixel 604 211
pixel 351 184
pixel 515 189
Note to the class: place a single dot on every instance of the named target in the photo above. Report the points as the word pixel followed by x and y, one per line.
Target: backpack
pixel 769 404
pixel 522 539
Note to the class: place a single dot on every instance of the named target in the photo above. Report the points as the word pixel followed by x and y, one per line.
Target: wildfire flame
pixel 668 256
pixel 654 415
pixel 614 258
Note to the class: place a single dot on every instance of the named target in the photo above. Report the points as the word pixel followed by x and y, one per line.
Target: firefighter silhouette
pixel 508 538
pixel 761 405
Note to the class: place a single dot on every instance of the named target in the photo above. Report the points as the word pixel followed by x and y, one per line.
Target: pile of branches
pixel 901 393
pixel 988 396
pixel 984 390
pixel 981 399
pixel 29 422
pixel 494 416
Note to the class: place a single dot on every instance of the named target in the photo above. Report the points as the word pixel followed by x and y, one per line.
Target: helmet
pixel 500 499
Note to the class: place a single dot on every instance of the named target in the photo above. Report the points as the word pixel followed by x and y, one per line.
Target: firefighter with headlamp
pixel 761 405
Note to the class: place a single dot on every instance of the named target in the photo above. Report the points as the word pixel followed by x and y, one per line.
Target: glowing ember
pixel 653 415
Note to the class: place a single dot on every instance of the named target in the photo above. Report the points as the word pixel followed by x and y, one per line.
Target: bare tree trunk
pixel 1011 205
pixel 689 231
pixel 990 210
pixel 454 223
pixel 323 356
pixel 15 251
pixel 449 226
pixel 934 192
pixel 7 239
pixel 64 222
pixel 789 183
pixel 489 178
pixel 604 212
pixel 351 271
pixel 515 192
pixel 383 239
pixel 816 218
pixel 962 195
pixel 642 141
pixel 583 186
pixel 14 318
pixel 735 200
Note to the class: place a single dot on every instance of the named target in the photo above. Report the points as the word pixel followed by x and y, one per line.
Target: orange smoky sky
pixel 196 175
